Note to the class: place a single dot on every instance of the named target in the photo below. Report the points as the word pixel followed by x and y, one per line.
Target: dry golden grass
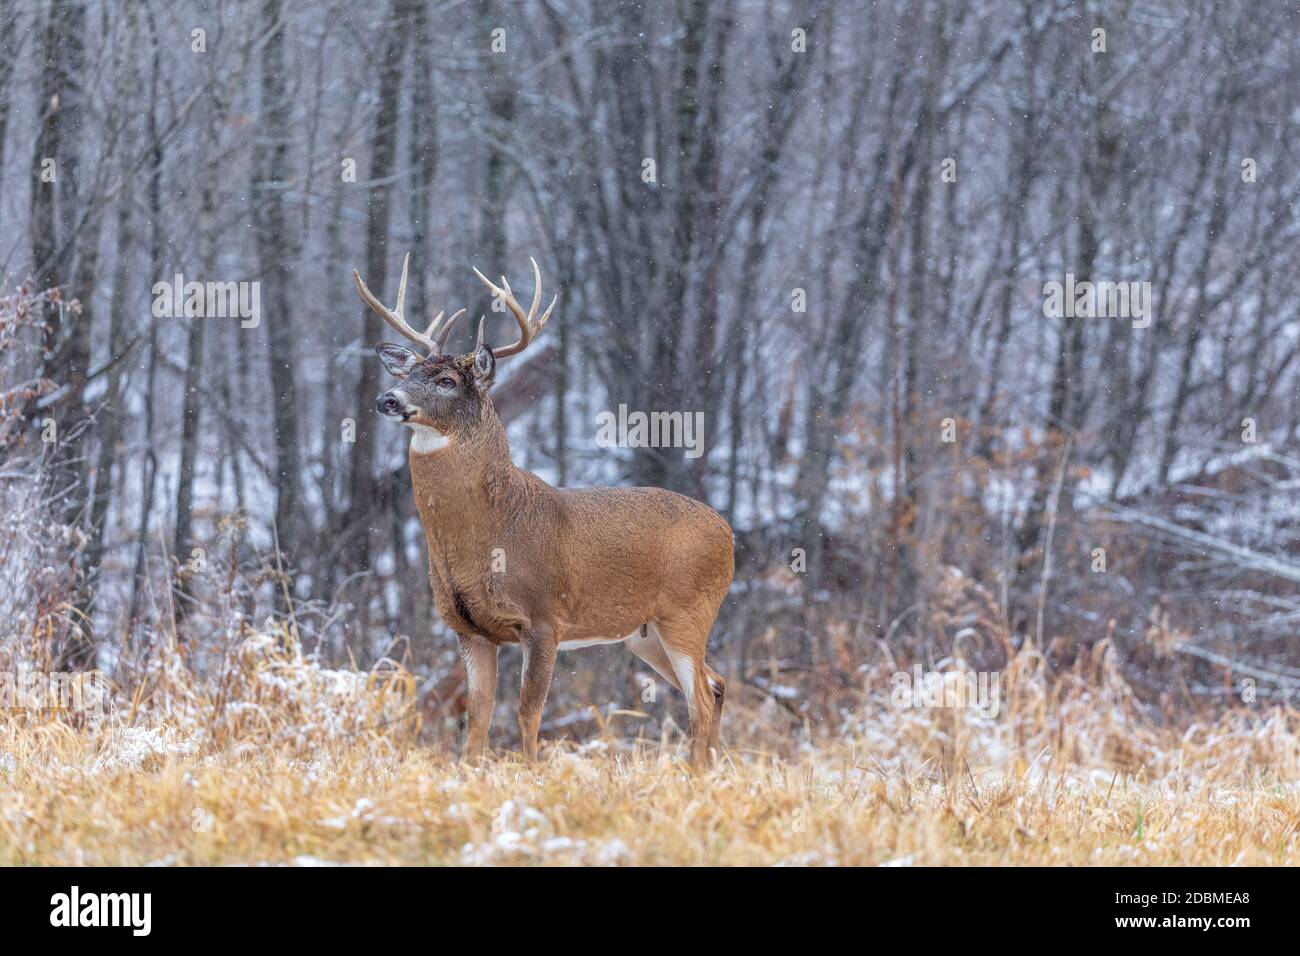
pixel 274 760
pixel 61 805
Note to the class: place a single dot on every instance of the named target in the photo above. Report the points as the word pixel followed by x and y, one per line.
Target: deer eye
pixel 446 382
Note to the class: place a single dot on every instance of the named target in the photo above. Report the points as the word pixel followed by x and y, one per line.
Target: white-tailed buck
pixel 514 561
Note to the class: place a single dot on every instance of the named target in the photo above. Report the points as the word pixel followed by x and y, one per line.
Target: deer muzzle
pixel 392 404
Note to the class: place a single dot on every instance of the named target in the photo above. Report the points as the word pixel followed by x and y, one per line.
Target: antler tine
pixel 537 298
pixel 441 341
pixel 547 314
pixel 400 311
pixel 529 324
pixel 537 289
pixel 397 318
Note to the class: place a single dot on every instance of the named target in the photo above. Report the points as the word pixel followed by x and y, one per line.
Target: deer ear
pixel 485 366
pixel 399 361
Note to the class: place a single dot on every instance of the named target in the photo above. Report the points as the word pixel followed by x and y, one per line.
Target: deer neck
pixel 462 483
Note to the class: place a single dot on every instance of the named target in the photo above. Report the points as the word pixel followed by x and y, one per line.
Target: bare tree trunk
pixel 783 101
pixel 836 364
pixel 1199 318
pixel 195 367
pixel 490 250
pixel 703 384
pixel 417 602
pixel 42 225
pixel 190 405
pixel 10 43
pixel 568 279
pixel 109 413
pixel 668 383
pixel 911 431
pixel 383 149
pixel 275 249
pixel 149 466
pixel 1022 179
pixel 423 156
pixel 1065 410
pixel 65 257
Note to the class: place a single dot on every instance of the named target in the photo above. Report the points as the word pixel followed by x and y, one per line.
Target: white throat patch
pixel 426 440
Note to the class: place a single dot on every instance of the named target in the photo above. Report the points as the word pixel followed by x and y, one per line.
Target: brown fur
pixel 599 563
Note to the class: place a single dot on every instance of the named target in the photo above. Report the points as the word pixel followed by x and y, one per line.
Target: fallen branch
pixel 1208 544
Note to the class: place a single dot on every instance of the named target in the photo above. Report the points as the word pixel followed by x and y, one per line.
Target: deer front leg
pixel 539 664
pixel 480 657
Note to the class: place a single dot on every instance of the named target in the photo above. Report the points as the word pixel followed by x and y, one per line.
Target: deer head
pixel 446 393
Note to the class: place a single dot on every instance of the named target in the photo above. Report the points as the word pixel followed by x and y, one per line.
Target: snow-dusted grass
pixel 273 759
pixel 62 805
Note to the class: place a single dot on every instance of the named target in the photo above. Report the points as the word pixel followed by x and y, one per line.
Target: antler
pixel 397 320
pixel 528 328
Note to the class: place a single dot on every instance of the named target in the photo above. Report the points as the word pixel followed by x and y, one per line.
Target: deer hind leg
pixel 684 647
pixel 480 658
pixel 539 665
pixel 719 688
pixel 647 646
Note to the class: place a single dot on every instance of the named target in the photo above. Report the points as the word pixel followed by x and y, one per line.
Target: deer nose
pixel 387 404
